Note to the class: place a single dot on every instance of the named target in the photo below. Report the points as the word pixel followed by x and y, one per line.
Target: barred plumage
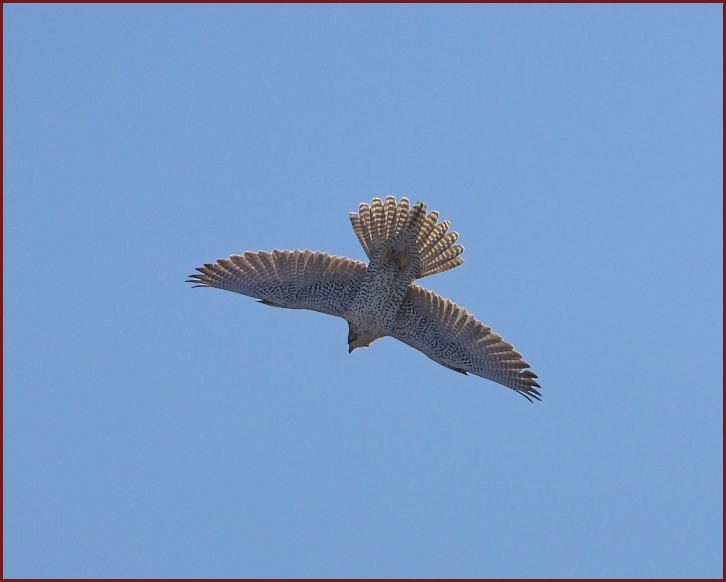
pixel 376 223
pixel 381 299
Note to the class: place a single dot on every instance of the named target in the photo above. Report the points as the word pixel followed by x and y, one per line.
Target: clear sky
pixel 155 430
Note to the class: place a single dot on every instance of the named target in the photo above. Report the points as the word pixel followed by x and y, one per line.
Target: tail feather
pixel 448 259
pixel 378 222
pixel 375 223
pixel 390 226
pixel 427 228
pixel 363 225
pixel 438 238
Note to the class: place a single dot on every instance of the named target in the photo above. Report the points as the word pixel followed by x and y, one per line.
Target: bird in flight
pixel 381 298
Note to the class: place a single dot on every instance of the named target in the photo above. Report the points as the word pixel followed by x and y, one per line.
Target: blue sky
pixel 152 430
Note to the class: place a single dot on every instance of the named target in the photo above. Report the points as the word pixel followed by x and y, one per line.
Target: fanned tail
pixel 376 223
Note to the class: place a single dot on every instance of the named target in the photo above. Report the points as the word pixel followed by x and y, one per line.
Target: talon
pixel 387 253
pixel 404 258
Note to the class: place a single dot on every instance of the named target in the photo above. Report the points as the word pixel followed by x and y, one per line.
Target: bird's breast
pixel 378 300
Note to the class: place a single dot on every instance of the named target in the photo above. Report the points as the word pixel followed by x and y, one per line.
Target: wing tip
pixel 530 392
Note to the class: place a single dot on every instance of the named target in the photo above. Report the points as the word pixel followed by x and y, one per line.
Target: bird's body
pixel 381 299
pixel 395 264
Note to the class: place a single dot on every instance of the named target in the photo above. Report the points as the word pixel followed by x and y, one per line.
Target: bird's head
pixel 356 339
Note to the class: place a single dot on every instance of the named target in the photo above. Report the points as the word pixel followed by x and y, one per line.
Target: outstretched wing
pixel 292 279
pixel 447 334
